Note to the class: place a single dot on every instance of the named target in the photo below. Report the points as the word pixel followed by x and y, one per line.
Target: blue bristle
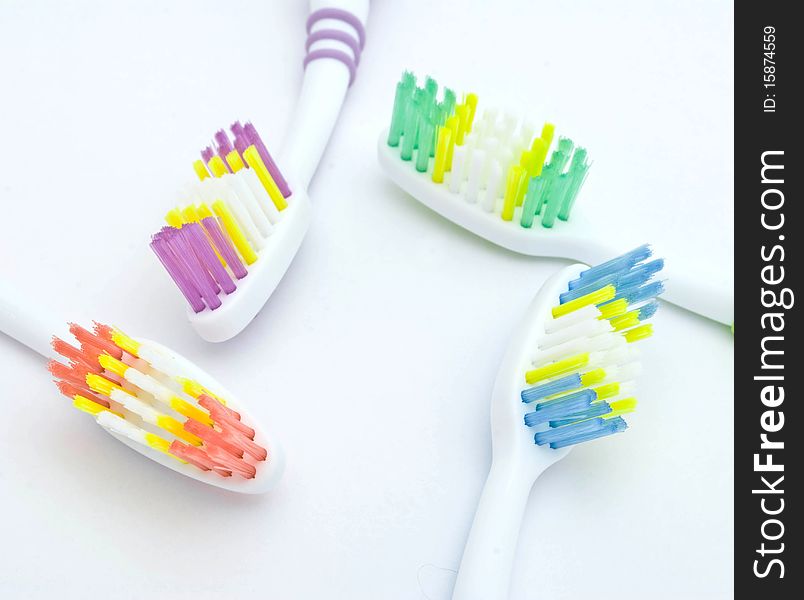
pixel 648 310
pixel 565 384
pixel 621 263
pixel 641 294
pixel 597 409
pixel 559 408
pixel 609 427
pixel 640 274
pixel 582 288
pixel 557 434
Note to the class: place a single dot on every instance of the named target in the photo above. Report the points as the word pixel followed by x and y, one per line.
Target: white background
pixel 375 358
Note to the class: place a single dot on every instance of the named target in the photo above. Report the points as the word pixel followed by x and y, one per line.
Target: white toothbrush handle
pixel 485 570
pixel 331 63
pixel 700 296
pixel 26 322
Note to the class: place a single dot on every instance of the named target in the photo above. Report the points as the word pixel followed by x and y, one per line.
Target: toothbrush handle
pixel 26 322
pixel 700 296
pixel 485 570
pixel 336 36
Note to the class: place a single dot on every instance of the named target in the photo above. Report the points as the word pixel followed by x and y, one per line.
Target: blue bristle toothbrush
pixel 567 378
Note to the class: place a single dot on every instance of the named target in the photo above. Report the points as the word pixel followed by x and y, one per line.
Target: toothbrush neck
pixel 336 36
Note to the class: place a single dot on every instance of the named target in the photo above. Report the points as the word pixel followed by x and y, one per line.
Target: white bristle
pixel 586 328
pixel 490 196
pixel 576 316
pixel 458 171
pixel 241 189
pixel 475 168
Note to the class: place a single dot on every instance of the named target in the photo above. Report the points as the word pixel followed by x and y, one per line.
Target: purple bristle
pixel 201 245
pixel 161 246
pixel 207 154
pixel 194 268
pixel 223 146
pixel 240 138
pixel 254 138
pixel 224 247
pixel 189 256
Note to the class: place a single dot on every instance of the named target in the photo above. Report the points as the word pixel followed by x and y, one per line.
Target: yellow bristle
pixel 253 160
pixel 122 341
pixel 200 169
pixel 195 389
pixel 203 211
pixel 217 166
pixel 561 367
pixel 101 385
pixel 608 390
pixel 592 377
pixel 174 218
pixel 639 333
pixel 512 185
pixel 604 294
pixel 471 103
pixel 621 407
pixel 88 406
pixel 235 233
pixel 626 321
pixel 235 161
pixel 539 153
pixel 190 214
pixel 157 443
pixel 188 410
pixel 613 309
pixel 442 147
pixel 547 134
pixel 110 363
pixel 171 425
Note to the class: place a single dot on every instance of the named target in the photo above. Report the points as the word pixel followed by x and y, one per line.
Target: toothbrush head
pixel 491 174
pixel 166 408
pixel 568 376
pixel 234 235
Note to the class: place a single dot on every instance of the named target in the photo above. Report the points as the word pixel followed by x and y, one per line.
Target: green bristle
pixel 551 171
pixel 554 202
pixel 426 142
pixel 431 87
pixel 529 205
pixel 447 104
pixel 428 103
pixel 404 92
pixel 578 170
pixel 544 187
pixel 411 125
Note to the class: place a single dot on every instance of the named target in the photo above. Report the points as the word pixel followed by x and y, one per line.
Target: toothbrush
pixel 152 399
pixel 240 226
pixel 493 176
pixel 566 378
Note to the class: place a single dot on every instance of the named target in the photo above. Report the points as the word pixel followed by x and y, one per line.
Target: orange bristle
pixel 91 354
pixel 70 390
pixel 103 331
pixel 227 461
pixel 66 373
pixel 68 351
pixel 87 337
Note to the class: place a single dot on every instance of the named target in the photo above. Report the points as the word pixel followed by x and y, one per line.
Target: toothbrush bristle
pixel 210 242
pixel 581 378
pixel 494 162
pixel 129 395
